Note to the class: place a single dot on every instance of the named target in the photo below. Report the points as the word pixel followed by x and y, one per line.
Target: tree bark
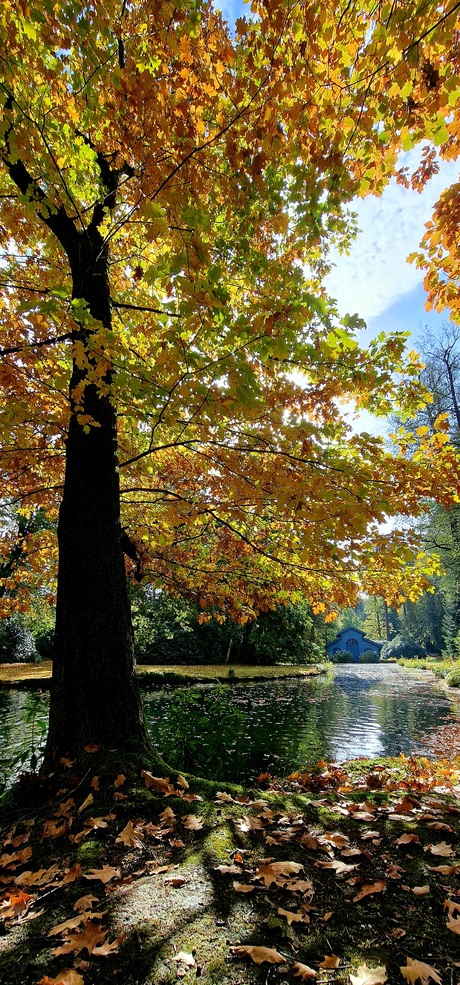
pixel 94 697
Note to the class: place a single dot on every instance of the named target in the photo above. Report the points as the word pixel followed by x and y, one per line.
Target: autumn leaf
pixel 441 849
pixel 85 903
pixel 182 782
pixel 273 871
pixel 185 958
pixel 330 961
pixel 260 955
pixel 418 971
pixel 241 887
pixel 119 780
pixel 303 971
pixel 132 836
pixel 192 822
pixel 106 874
pixel 68 976
pixel 86 803
pixel 369 976
pixel 408 839
pixel 291 917
pixel 369 889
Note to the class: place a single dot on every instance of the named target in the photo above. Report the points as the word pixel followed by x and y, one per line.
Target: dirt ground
pixel 345 874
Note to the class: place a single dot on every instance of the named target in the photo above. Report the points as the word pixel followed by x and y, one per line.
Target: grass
pixel 28 675
pixel 447 670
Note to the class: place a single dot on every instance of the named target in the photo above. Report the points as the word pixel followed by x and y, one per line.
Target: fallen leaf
pixel 185 958
pixel 421 890
pixel 330 961
pixel 161 784
pixel 408 840
pixel 368 890
pixel 192 822
pixel 291 917
pixel 68 976
pixel 259 955
pixel 369 976
pixel 131 836
pixel 242 887
pixel 337 865
pixel 398 932
pixel 167 815
pixel 303 971
pixel 85 903
pixel 92 935
pixel 394 871
pixel 453 924
pixel 91 747
pixel 86 803
pixel 272 871
pixel 441 849
pixel 418 970
pixel 119 780
pixel 175 881
pixel 446 870
pixel 106 874
pixel 176 843
pixel 102 950
pixel 182 782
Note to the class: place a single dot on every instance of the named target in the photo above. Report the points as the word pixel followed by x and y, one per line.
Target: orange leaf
pixel 260 955
pixel 330 961
pixel 303 971
pixel 369 889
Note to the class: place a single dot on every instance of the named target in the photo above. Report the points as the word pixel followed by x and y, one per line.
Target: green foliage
pixel 203 727
pixel 341 657
pixel 453 679
pixel 167 631
pixel 402 646
pixel 17 644
pixel 369 657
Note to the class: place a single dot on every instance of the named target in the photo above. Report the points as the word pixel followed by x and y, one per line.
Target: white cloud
pixel 376 274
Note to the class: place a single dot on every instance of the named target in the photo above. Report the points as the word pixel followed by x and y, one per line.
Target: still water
pixel 236 732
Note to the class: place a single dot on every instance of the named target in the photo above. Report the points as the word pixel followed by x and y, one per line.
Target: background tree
pixel 436 622
pixel 169 193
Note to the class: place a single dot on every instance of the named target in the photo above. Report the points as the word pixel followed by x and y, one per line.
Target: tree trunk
pixel 94 697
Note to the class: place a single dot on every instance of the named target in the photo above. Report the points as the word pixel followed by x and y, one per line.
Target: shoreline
pixel 155 675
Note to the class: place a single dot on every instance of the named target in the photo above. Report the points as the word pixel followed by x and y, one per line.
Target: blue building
pixel 353 640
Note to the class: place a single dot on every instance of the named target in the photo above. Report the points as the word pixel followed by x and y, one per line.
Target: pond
pixel 235 732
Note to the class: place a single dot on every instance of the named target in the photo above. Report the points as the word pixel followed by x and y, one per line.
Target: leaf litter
pixel 304 907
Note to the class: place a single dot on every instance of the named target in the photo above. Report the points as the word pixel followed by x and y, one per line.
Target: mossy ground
pixel 167 894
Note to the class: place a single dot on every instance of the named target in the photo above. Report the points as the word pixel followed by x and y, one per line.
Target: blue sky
pixel 375 280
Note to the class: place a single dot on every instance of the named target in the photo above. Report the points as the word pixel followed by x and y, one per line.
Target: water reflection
pixel 239 731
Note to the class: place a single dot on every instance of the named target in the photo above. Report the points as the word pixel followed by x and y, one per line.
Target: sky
pixel 375 280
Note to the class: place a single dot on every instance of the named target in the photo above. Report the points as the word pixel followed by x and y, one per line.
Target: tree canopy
pixel 207 173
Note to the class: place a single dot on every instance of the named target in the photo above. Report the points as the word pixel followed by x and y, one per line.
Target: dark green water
pixel 236 732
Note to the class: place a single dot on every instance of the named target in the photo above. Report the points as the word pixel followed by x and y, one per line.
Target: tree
pixel 168 196
pixel 440 528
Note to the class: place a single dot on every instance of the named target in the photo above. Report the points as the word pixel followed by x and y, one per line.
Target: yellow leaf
pixel 369 976
pixel 415 971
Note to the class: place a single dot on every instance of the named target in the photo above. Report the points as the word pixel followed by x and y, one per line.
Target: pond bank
pixel 39 675
pixel 333 871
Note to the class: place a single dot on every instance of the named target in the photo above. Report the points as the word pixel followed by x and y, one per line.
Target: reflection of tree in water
pixel 20 713
pixel 238 731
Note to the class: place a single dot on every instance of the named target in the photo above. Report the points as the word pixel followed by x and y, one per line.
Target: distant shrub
pixel 342 657
pixel 402 646
pixel 453 679
pixel 17 644
pixel 369 657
